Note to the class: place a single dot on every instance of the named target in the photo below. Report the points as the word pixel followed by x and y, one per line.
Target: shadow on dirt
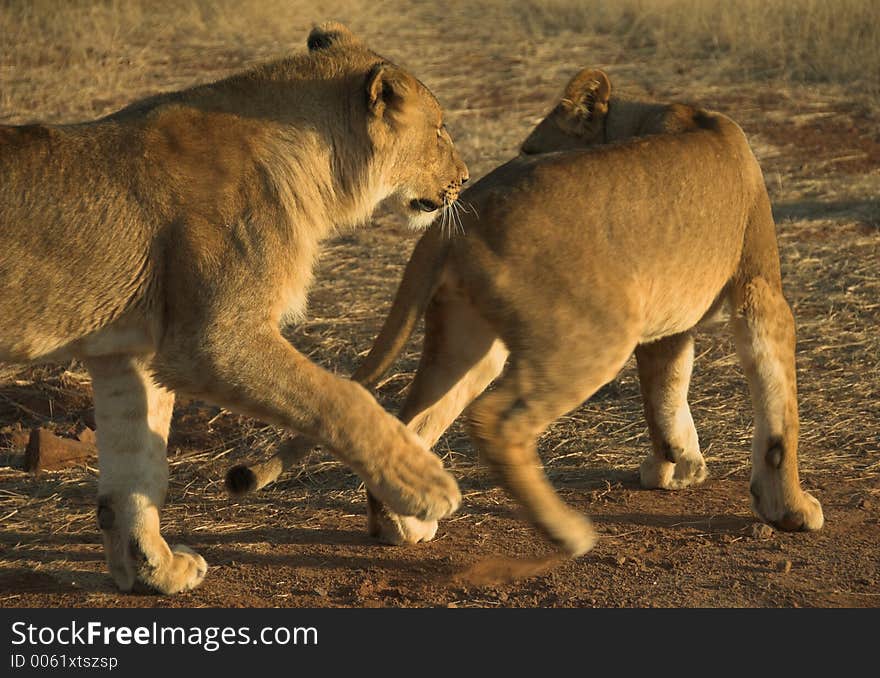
pixel 21 580
pixel 219 557
pixel 261 547
pixel 718 524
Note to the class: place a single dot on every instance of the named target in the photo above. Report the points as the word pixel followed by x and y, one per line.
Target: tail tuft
pixel 240 480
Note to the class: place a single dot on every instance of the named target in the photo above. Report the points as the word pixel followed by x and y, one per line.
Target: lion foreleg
pixel 133 415
pixel 267 378
pixel 765 340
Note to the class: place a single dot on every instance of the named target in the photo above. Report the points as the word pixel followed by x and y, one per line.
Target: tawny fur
pixel 165 244
pixel 576 260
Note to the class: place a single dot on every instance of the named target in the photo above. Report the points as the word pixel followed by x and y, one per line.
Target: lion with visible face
pixel 164 245
pixel 576 260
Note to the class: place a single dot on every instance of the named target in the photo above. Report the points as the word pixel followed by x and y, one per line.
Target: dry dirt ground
pixel 301 542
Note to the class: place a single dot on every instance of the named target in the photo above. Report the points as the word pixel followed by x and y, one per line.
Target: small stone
pixel 620 561
pixel 321 592
pixel 47 452
pixel 784 566
pixel 503 596
pixel 762 531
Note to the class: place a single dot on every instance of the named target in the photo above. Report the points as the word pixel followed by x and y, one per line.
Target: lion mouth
pixel 424 205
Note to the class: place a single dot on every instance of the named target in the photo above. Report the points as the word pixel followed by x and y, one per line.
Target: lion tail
pixel 420 280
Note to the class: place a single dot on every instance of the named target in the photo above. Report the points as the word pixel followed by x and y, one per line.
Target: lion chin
pixel 421 220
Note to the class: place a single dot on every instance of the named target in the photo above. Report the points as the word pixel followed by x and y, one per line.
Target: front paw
pixel 416 485
pixel 167 570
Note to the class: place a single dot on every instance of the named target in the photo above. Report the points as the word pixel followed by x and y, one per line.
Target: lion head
pixel 410 145
pixel 586 115
pixel 578 119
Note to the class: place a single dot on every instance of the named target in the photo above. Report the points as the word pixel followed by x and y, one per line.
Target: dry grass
pixel 812 40
pixel 100 48
pixel 496 67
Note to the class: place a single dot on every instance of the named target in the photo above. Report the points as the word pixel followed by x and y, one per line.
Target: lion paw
pixel 188 569
pixel 418 486
pixel 573 533
pixel 390 528
pixel 137 554
pixel 789 511
pixel 178 569
pixel 656 473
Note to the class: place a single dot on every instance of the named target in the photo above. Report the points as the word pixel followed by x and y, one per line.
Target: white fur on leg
pixel 133 416
pixel 398 530
pixel 656 473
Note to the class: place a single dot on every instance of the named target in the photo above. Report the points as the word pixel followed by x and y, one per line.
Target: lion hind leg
pixel 665 368
pixel 764 332
pixel 462 355
pixel 133 415
pixel 506 422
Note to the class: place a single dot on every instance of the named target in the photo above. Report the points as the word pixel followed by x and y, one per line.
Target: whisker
pixel 457 213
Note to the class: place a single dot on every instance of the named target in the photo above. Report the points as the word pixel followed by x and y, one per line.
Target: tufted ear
pixel 329 34
pixel 387 88
pixel 586 95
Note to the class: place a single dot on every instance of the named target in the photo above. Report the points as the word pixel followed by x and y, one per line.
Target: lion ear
pixel 329 34
pixel 586 95
pixel 387 88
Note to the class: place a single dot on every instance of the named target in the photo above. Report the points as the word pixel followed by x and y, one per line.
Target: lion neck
pixel 322 163
pixel 310 139
pixel 321 180
pixel 628 117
